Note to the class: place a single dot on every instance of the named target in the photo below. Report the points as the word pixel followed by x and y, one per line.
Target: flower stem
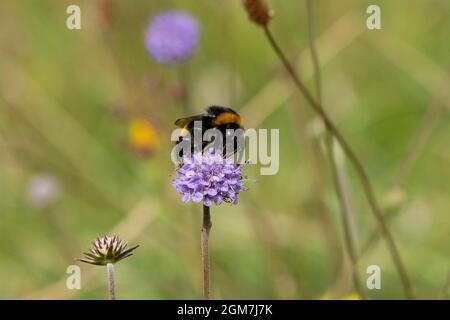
pixel 206 227
pixel 367 187
pixel 350 243
pixel 111 285
pixel 183 74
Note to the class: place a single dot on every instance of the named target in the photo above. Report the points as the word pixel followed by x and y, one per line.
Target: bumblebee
pixel 224 119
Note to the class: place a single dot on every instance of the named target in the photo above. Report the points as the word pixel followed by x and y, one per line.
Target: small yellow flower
pixel 351 297
pixel 328 296
pixel 142 136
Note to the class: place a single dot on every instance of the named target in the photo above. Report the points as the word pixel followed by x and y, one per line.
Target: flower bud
pixel 258 11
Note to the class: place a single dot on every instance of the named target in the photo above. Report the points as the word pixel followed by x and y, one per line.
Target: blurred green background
pixel 85 123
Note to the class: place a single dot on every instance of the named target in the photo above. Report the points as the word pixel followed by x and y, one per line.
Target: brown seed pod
pixel 258 11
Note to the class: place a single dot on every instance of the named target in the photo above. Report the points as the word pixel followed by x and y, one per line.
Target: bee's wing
pixel 183 122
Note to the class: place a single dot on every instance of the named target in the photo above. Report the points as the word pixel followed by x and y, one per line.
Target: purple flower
pixel 43 189
pixel 209 178
pixel 172 36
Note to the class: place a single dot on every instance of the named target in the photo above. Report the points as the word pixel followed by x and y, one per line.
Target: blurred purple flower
pixel 209 178
pixel 172 36
pixel 43 189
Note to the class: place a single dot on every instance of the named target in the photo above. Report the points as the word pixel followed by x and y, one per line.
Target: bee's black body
pixel 217 117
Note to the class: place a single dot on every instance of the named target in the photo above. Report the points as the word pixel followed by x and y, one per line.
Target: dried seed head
pixel 107 249
pixel 258 11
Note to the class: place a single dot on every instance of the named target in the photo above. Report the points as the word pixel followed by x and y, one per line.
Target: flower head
pixel 258 11
pixel 172 36
pixel 143 137
pixel 208 178
pixel 107 249
pixel 43 189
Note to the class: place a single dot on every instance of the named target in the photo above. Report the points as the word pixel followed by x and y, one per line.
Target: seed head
pixel 107 249
pixel 258 11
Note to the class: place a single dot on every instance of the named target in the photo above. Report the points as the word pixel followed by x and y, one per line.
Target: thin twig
pixel 367 187
pixel 206 227
pixel 340 192
pixel 111 284
pixel 371 239
pixel 350 242
pixel 318 178
pixel 313 49
pixel 349 239
pixel 421 138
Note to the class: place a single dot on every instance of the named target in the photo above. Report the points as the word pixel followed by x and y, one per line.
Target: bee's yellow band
pixel 227 117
